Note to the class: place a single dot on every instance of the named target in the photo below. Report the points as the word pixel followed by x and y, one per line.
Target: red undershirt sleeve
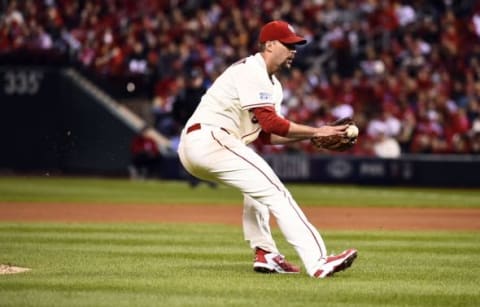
pixel 270 122
pixel 265 138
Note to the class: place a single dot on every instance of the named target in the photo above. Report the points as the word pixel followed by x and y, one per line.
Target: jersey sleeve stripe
pixel 249 134
pixel 257 105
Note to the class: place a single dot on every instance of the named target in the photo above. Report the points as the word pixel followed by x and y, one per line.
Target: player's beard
pixel 287 64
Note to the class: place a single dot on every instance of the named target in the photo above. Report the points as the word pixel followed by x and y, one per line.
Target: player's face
pixel 286 54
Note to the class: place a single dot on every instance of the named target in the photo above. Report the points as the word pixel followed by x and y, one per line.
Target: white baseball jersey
pixel 216 150
pixel 241 87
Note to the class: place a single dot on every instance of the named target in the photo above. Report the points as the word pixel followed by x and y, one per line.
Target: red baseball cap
pixel 281 31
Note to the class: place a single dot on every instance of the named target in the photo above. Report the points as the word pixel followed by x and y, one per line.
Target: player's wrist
pixel 299 131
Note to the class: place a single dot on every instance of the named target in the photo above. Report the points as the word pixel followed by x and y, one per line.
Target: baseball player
pixel 242 105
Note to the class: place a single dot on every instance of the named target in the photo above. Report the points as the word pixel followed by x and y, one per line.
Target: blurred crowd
pixel 407 71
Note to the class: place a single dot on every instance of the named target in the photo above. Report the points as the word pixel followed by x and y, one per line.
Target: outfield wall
pixel 50 122
pixel 414 170
pixel 425 170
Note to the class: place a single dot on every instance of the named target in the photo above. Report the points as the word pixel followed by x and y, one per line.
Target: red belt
pixel 194 127
pixel 198 126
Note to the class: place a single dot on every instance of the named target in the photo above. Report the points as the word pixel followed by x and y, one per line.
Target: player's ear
pixel 269 45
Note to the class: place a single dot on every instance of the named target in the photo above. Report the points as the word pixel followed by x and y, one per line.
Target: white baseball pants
pixel 211 153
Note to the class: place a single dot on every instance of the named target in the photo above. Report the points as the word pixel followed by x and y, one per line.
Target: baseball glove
pixel 335 142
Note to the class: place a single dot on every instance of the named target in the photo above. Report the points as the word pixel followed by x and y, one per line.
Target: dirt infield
pixel 323 218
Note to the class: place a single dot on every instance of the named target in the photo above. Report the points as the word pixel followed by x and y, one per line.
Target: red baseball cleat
pixel 337 263
pixel 267 262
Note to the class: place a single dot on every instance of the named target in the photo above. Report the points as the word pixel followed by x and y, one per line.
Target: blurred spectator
pixel 385 146
pixel 372 65
pixel 382 133
pixel 189 97
pixel 137 61
pixel 145 157
pixel 475 137
pixel 163 101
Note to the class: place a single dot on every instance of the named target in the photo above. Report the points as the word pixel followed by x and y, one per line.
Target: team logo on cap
pixel 291 28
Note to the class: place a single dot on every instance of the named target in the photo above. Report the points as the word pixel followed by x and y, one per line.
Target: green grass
pixel 210 265
pixel 81 190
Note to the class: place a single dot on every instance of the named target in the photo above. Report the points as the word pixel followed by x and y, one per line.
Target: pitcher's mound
pixel 10 269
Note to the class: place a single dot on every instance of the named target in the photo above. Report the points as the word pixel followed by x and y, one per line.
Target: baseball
pixel 352 131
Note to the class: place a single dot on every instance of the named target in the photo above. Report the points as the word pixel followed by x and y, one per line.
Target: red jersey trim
pixel 257 105
pixel 249 134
